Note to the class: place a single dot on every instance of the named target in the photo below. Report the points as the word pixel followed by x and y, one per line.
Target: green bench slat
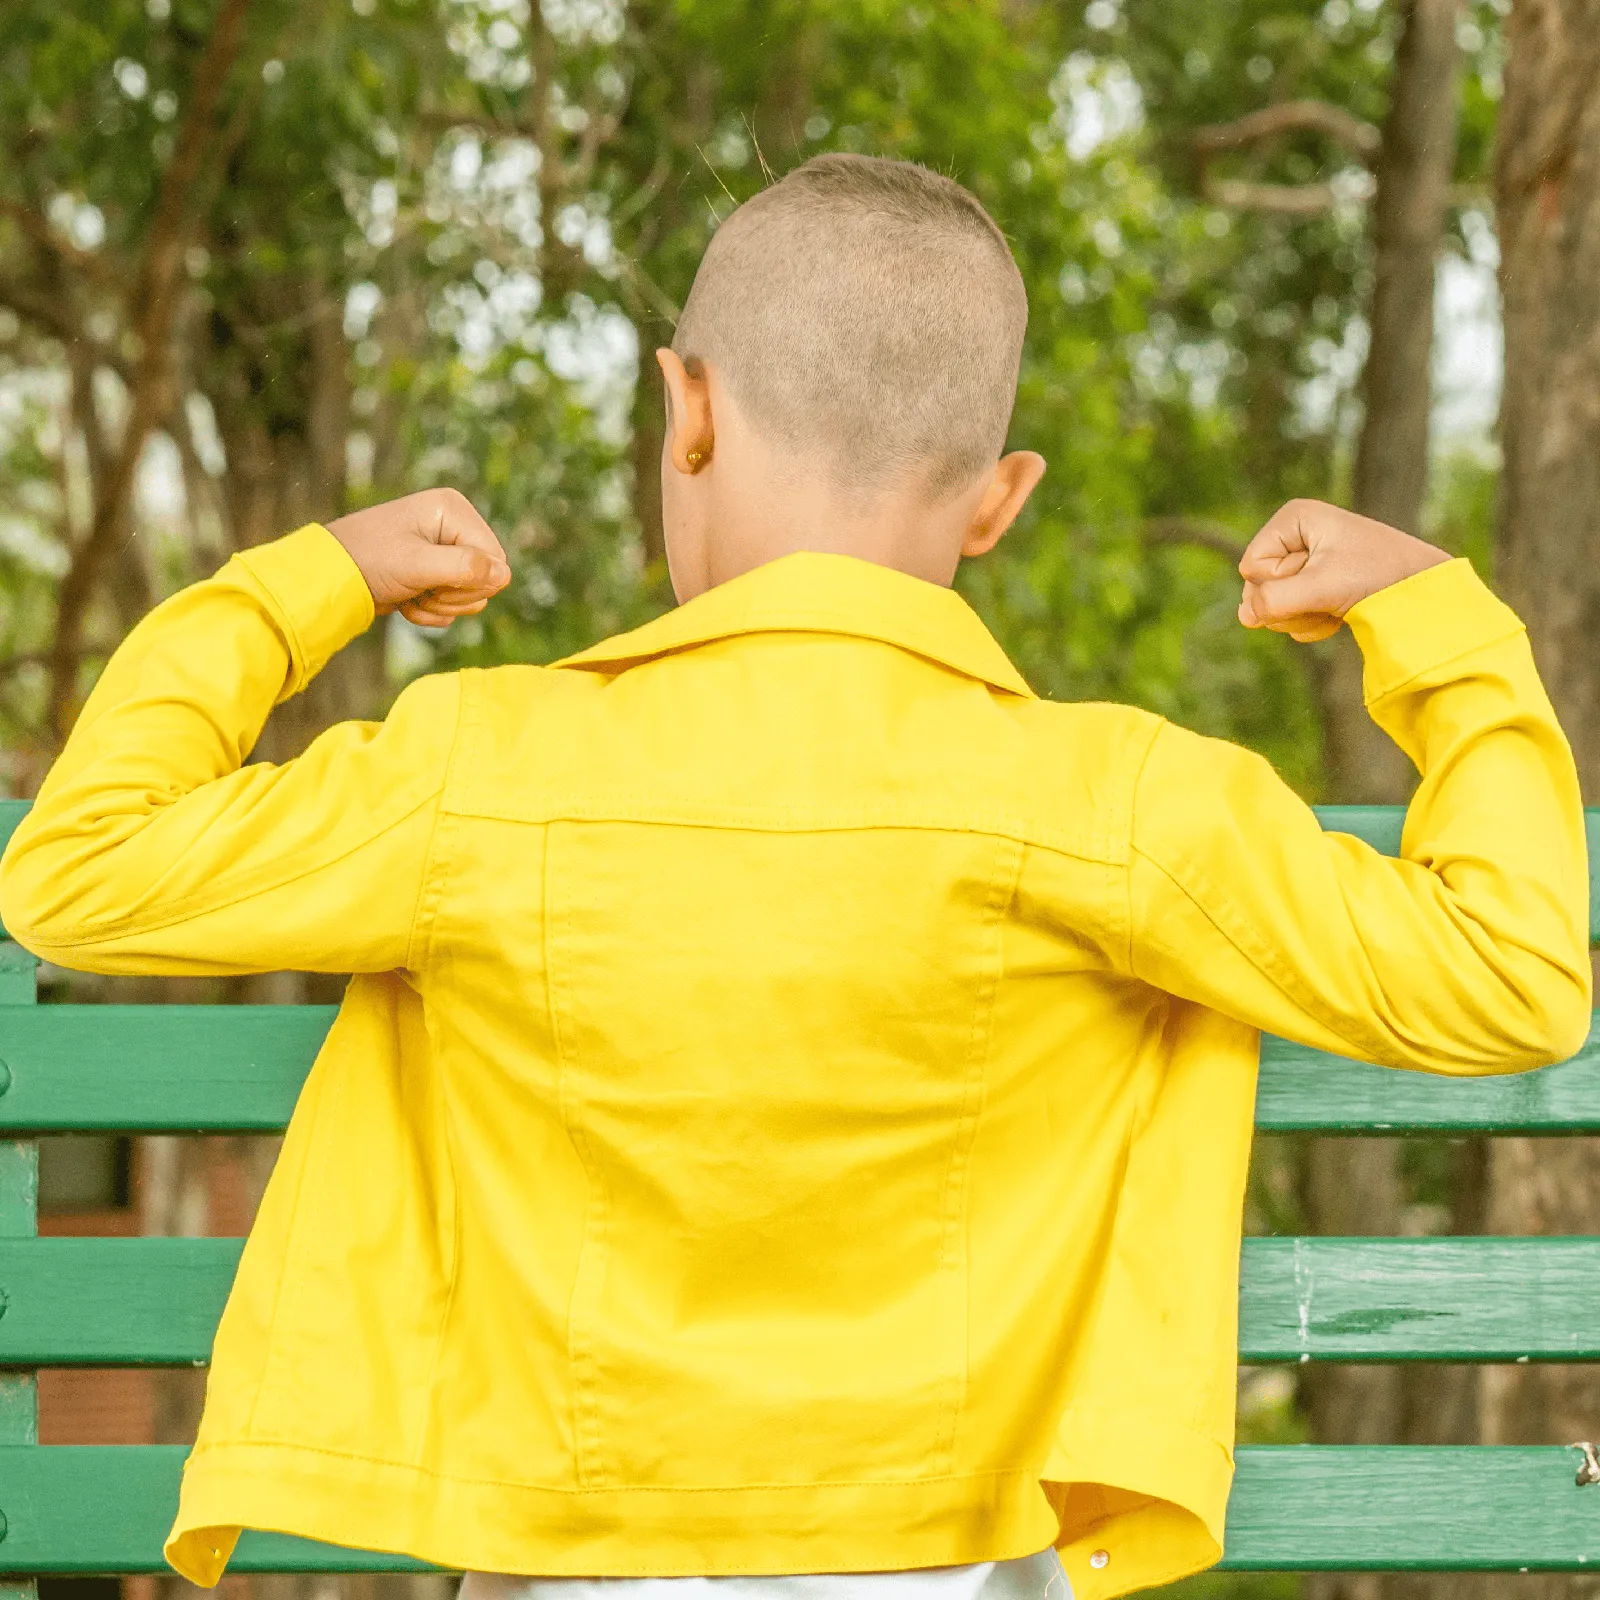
pixel 106 1509
pixel 1307 1091
pixel 156 1069
pixel 1447 1299
pixel 1440 1508
pixel 238 1069
pixel 92 1509
pixel 112 1302
pixel 155 1302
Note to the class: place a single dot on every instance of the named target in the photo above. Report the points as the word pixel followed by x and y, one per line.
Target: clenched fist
pixel 430 555
pixel 1312 562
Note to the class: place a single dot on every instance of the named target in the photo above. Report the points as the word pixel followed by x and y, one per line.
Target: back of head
pixel 867 316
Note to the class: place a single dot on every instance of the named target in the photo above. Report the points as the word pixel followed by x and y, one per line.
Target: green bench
pixel 226 1069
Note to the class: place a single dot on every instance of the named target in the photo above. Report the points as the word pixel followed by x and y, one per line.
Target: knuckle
pixel 449 499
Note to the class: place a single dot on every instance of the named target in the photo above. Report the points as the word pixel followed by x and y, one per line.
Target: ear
pixel 1015 478
pixel 689 429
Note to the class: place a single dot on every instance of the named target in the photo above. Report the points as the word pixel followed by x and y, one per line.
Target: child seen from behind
pixel 787 1127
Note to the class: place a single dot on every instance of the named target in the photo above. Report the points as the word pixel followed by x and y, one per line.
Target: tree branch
pixel 200 492
pixel 1290 116
pixel 601 127
pixel 646 192
pixel 47 239
pixel 1200 535
pixel 649 291
pixel 156 295
pixel 1286 199
pixel 434 120
pixel 47 313
pixel 1362 139
pixel 82 411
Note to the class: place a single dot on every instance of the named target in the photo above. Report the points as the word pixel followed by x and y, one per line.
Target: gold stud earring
pixel 697 459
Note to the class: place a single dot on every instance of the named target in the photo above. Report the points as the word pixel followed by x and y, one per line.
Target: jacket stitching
pixel 229 1445
pixel 954 1253
pixel 453 1164
pixel 582 1360
pixel 437 860
pixel 1124 798
pixel 462 772
pixel 649 812
pixel 1136 777
pixel 286 1292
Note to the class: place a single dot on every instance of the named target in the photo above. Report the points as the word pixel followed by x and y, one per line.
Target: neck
pixel 740 547
pixel 755 518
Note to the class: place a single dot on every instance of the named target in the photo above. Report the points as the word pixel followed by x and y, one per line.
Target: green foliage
pixel 556 492
pixel 505 210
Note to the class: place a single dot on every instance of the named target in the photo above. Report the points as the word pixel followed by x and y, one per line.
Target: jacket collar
pixel 810 592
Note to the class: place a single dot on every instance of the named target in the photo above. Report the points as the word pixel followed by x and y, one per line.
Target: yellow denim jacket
pixel 791 1110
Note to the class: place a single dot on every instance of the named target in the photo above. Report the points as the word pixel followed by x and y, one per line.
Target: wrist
pixel 1409 557
pixel 349 539
pixel 1422 555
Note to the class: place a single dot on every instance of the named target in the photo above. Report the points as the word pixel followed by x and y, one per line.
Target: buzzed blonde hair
pixel 869 313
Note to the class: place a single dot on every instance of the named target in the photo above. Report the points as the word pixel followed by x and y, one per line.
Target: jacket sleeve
pixel 1469 953
pixel 151 849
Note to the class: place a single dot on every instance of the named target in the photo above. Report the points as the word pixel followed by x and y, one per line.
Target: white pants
pixel 1037 1577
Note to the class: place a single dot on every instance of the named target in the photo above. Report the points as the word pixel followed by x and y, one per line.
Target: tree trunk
pixel 1414 167
pixel 1354 1185
pixel 1547 197
pixel 1547 182
pixel 1413 173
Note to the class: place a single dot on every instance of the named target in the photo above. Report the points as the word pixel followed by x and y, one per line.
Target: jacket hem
pixel 535 1530
pixel 1146 1496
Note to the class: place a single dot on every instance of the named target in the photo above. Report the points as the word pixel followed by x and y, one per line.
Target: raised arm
pixel 1470 953
pixel 152 849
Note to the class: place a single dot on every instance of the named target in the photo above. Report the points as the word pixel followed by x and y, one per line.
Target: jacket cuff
pixel 316 594
pixel 1424 622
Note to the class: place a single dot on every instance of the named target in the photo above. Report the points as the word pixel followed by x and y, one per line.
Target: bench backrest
pixel 192 1069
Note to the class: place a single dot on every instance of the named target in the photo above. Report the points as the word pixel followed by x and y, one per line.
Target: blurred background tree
pixel 264 262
